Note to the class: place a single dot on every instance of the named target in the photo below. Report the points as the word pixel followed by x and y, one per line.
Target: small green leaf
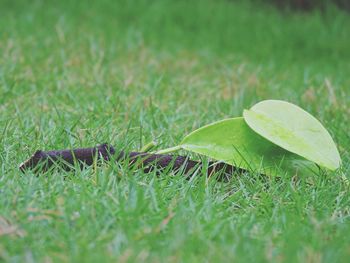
pixel 295 130
pixel 233 142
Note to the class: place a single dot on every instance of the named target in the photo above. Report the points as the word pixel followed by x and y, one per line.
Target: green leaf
pixel 233 142
pixel 295 130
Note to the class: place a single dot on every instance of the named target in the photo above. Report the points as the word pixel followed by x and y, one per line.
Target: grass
pixel 126 72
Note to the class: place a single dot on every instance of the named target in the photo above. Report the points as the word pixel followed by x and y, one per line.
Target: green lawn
pixel 127 72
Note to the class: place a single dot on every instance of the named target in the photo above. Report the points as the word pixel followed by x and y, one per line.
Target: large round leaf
pixel 233 142
pixel 295 130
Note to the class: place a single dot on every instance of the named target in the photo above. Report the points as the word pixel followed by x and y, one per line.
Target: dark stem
pixel 42 161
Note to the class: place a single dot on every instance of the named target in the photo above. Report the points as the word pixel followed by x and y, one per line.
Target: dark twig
pixel 67 158
pixel 146 161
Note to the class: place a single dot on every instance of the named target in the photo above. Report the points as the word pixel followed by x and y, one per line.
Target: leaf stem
pixel 169 150
pixel 148 146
